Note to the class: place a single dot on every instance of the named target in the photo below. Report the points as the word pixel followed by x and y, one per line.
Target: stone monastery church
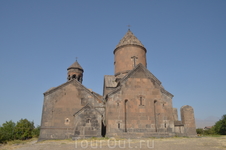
pixel 134 102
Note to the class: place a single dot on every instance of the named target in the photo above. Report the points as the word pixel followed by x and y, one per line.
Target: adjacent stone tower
pixel 75 71
pixel 128 53
pixel 188 119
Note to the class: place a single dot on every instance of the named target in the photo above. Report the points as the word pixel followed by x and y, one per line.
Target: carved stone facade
pixel 134 102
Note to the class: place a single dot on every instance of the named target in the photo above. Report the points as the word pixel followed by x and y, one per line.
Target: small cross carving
pixel 134 60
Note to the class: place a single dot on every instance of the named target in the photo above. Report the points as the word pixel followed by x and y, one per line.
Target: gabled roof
pixel 97 96
pixel 149 75
pixel 129 39
pixel 75 65
pixel 147 72
pixel 87 106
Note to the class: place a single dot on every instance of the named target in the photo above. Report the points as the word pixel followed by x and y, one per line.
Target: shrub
pixel 7 131
pixel 220 126
pixel 36 131
pixel 23 129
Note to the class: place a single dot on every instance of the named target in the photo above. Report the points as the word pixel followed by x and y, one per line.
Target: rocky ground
pixel 177 143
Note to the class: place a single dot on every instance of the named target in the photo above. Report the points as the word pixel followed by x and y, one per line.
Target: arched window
pixel 155 102
pixel 69 77
pixel 73 76
pixel 126 101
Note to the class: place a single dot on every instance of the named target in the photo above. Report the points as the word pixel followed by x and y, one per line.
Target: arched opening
pixel 126 101
pixel 79 78
pixel 155 102
pixel 68 77
pixel 73 76
pixel 103 129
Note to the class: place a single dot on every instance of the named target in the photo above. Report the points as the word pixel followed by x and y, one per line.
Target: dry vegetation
pixel 175 143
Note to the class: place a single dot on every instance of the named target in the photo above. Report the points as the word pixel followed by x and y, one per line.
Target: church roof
pixel 129 39
pixel 98 97
pixel 75 65
pixel 109 81
pixel 149 75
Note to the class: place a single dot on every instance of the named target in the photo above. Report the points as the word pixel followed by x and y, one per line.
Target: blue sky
pixel 39 40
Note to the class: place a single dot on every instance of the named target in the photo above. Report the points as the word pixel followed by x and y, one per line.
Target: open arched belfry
pixel 134 102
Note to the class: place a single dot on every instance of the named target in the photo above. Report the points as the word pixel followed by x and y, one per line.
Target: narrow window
pixel 126 101
pixel 118 125
pixel 141 101
pixel 155 101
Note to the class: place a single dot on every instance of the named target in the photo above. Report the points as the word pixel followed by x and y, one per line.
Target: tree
pixel 7 131
pixel 220 126
pixel 23 129
pixel 210 131
pixel 36 131
pixel 199 131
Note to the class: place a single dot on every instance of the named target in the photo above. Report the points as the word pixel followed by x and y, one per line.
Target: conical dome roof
pixel 75 65
pixel 129 39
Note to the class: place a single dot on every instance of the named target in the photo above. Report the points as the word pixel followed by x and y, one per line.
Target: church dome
pixel 75 71
pixel 75 65
pixel 129 53
pixel 129 39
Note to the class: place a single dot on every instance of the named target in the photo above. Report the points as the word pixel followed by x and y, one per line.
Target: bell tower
pixel 75 71
pixel 129 53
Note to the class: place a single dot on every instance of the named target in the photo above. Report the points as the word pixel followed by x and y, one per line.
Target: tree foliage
pixel 199 131
pixel 210 131
pixel 36 131
pixel 21 130
pixel 7 131
pixel 220 126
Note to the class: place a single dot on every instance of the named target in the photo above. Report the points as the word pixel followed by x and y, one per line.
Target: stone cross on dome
pixel 129 27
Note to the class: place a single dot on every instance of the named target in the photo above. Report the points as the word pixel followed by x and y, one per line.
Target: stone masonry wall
pixel 188 119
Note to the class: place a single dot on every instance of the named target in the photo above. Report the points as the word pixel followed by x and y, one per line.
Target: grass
pixel 213 135
pixel 10 145
pixel 17 142
pixel 207 141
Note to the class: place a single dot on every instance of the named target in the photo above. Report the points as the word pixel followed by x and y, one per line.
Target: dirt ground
pixel 177 143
